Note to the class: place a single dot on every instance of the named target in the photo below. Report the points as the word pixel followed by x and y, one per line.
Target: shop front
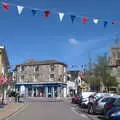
pixel 42 90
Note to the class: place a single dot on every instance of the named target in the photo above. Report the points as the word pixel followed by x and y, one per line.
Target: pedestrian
pixel 91 106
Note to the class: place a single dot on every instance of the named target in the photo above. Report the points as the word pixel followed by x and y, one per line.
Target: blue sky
pixel 28 36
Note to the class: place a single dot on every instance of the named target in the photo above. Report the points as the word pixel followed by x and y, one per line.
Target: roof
pixel 45 62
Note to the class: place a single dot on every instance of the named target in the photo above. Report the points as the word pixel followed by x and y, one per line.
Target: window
pixel 36 77
pixel 117 102
pixel 105 99
pixel 118 62
pixel 51 75
pixel 36 68
pixel 113 54
pixel 22 68
pixel 52 67
pixel 22 77
pixel 118 54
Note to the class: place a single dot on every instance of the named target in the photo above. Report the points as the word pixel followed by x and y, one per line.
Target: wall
pixel 43 73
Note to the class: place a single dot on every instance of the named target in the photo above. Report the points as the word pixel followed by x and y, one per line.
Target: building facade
pixel 41 78
pixel 114 64
pixel 75 82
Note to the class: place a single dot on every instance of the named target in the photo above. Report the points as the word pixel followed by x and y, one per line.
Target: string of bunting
pixel 61 15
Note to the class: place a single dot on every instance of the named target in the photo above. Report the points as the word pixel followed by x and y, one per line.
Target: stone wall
pixel 41 75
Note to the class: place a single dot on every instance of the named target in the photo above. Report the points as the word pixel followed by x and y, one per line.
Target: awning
pixel 42 85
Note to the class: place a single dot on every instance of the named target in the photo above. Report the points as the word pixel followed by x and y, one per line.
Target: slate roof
pixel 44 62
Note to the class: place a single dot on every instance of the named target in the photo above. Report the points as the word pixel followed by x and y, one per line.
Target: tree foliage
pixel 101 75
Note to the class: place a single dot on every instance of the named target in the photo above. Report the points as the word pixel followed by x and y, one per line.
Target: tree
pixel 100 76
pixel 102 70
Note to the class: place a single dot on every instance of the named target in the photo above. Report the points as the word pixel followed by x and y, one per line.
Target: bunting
pixel 73 17
pixel 47 13
pixel 84 20
pixel 5 6
pixel 34 12
pixel 95 21
pixel 20 9
pixel 105 24
pixel 61 15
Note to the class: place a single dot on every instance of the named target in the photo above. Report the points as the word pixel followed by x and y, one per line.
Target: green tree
pixel 101 75
pixel 102 70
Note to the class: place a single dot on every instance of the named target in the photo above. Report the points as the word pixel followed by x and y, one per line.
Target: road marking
pixel 17 112
pixel 79 114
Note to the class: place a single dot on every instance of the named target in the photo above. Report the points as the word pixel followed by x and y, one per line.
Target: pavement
pixel 10 109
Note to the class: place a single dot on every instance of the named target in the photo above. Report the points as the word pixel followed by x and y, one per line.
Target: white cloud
pixel 73 41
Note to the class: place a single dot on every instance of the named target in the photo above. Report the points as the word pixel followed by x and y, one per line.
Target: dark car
pixel 109 104
pixel 114 112
pixel 76 99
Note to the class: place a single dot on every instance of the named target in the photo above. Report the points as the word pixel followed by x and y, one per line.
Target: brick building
pixel 41 78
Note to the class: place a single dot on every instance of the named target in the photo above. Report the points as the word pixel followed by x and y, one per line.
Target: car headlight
pixel 115 114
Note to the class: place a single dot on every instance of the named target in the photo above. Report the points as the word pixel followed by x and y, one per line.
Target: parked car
pixel 114 113
pixel 76 99
pixel 99 95
pixel 98 105
pixel 85 98
pixel 109 104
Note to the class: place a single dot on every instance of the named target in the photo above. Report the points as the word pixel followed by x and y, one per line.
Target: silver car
pixel 98 105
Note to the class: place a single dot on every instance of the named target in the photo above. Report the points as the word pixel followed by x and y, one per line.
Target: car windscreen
pixel 112 100
pixel 105 99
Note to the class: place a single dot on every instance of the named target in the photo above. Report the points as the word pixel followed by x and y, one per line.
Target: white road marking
pixel 17 112
pixel 79 114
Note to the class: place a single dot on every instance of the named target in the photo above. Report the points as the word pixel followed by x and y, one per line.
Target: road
pixel 43 110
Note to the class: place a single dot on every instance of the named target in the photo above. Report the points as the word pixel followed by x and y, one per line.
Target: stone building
pixel 41 78
pixel 114 64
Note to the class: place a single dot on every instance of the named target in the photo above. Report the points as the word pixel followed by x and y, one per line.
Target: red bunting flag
pixel 84 20
pixel 47 13
pixel 5 6
pixel 114 22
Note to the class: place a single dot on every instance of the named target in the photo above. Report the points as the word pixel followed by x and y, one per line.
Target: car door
pixel 101 103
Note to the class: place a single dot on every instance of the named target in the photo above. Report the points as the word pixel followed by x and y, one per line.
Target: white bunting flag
pixel 20 9
pixel 95 21
pixel 61 15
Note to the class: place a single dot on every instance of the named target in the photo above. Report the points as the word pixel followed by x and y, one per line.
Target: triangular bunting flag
pixel 5 6
pixel 105 24
pixel 114 22
pixel 47 13
pixel 20 9
pixel 73 17
pixel 34 12
pixel 95 21
pixel 84 20
pixel 61 15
